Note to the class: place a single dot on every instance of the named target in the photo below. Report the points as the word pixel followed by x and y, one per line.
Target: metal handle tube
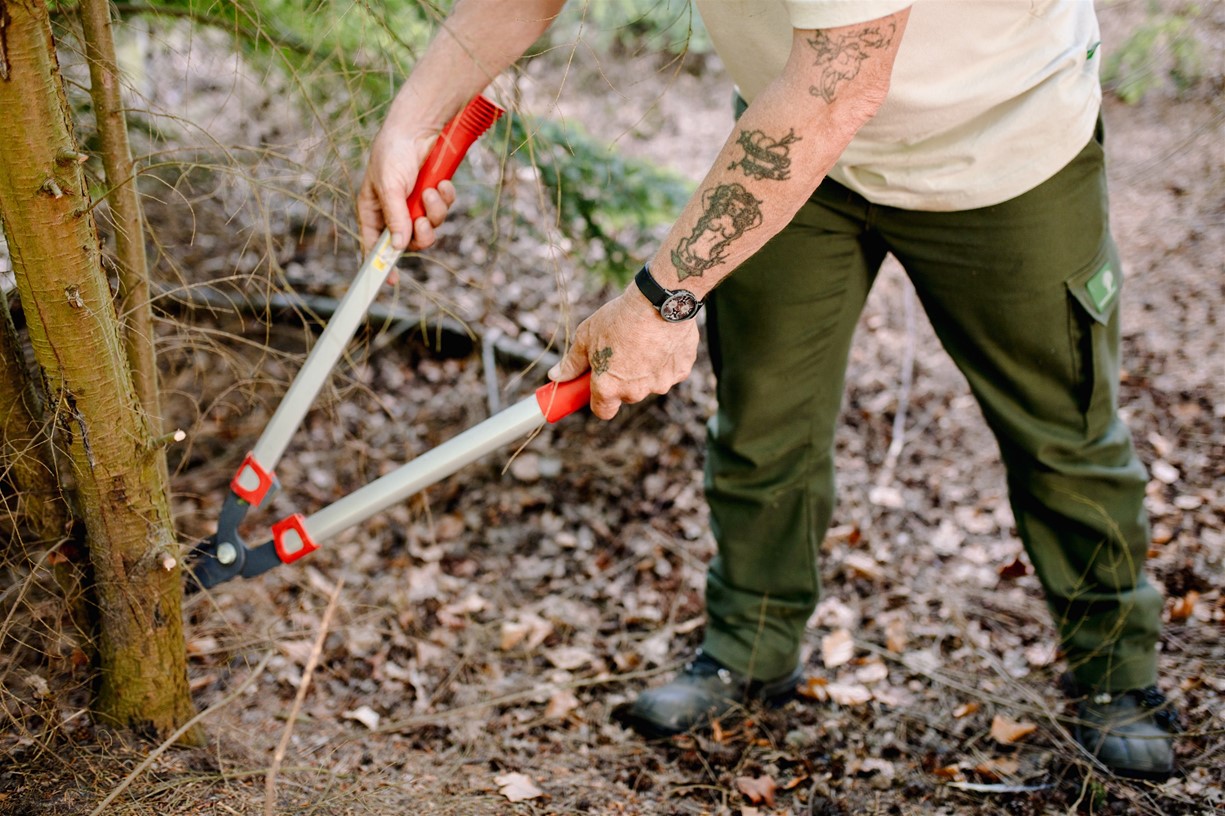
pixel 327 351
pixel 427 469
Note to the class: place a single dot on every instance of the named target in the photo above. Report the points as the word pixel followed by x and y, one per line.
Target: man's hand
pixel 395 160
pixel 631 351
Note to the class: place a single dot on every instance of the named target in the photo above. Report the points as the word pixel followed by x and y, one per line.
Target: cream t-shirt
pixel 989 98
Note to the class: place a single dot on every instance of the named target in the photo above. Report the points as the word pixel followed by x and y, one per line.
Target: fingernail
pixel 554 371
pixel 397 240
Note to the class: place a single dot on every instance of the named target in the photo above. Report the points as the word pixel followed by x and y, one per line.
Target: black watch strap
pixel 674 305
pixel 650 287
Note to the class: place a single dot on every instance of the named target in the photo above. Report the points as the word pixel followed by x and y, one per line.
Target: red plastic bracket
pixel 252 482
pixel 291 540
pixel 557 400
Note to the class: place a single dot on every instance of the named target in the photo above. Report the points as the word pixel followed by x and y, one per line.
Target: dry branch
pixel 438 331
pixel 279 756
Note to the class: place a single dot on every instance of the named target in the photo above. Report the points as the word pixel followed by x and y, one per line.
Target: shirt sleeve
pixel 834 13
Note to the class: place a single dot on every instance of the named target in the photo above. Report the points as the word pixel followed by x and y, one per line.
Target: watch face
pixel 679 306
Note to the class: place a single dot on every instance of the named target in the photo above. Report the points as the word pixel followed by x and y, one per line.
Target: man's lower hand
pixel 631 351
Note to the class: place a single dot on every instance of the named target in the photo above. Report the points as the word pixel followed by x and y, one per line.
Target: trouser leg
pixel 779 330
pixel 1024 296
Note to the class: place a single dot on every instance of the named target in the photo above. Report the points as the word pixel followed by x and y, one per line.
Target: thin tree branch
pixel 104 90
pixel 279 756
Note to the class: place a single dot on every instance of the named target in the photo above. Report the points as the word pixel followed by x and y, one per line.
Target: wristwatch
pixel 674 305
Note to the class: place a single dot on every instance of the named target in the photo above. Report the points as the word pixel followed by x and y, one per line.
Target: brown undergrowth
pixel 486 631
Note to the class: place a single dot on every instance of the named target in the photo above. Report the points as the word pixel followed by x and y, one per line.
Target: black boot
pixel 1130 732
pixel 705 690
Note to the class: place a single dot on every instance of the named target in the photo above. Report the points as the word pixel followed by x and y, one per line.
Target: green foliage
pixel 661 26
pixel 345 60
pixel 602 194
pixel 1162 48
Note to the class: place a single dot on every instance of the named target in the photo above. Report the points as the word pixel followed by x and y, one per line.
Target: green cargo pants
pixel 1024 297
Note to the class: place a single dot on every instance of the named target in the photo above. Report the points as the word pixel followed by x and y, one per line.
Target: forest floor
pixel 464 653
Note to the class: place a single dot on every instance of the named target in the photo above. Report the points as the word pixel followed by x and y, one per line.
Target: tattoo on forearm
pixel 729 211
pixel 765 158
pixel 600 361
pixel 839 58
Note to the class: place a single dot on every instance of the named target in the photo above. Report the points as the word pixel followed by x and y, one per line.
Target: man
pixel 963 138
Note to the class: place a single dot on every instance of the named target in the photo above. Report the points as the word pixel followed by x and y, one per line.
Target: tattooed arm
pixel 780 150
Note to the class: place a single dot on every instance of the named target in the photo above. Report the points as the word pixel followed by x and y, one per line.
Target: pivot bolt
pixel 227 553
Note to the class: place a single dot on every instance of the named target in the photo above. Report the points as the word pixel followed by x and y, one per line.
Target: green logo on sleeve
pixel 1103 287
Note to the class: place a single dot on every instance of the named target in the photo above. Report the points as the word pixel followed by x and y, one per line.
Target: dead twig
pixel 279 756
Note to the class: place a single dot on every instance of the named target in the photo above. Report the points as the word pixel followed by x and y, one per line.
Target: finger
pixel 435 206
pixel 604 407
pixel 395 215
pixel 369 219
pixel 447 190
pixel 570 367
pixel 423 233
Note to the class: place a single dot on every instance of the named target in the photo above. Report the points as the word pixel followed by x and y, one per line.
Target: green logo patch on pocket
pixel 1103 287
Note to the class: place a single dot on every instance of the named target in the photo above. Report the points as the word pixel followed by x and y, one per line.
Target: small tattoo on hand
pixel 600 361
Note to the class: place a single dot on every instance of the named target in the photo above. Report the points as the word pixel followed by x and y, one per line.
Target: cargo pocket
pixel 1093 328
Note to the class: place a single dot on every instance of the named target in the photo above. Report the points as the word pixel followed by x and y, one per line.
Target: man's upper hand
pixel 382 203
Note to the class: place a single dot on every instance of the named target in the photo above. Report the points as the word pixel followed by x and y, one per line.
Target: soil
pixel 485 632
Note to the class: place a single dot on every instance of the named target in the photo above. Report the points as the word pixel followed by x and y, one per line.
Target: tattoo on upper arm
pixel 765 158
pixel 729 211
pixel 600 360
pixel 839 57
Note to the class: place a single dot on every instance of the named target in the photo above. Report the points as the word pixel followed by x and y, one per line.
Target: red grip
pixel 557 400
pixel 449 150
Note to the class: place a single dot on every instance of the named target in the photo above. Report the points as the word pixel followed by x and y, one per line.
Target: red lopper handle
pixel 449 150
pixel 557 400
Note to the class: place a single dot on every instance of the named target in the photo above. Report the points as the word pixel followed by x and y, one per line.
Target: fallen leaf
pixel 560 705
pixel 1006 731
pixel 454 615
pixel 886 496
pixel 837 647
pixel 863 565
pixel 998 767
pixel 365 715
pixel 872 672
pixel 757 789
pixel 1164 472
pixel 872 765
pixel 202 645
pixel 1184 607
pixel 965 709
pixel 848 694
pixel 948 771
pixel 529 629
pixel 1162 534
pixel 569 657
pixel 814 689
pixel 517 787
pixel 895 636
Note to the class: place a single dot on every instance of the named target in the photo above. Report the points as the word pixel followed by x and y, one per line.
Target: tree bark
pixel 75 334
pixel 124 200
pixel 25 455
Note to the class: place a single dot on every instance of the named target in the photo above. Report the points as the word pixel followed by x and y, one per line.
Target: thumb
pixel 571 366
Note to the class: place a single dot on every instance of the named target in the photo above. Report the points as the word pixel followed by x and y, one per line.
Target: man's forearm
pixel 478 41
pixel 779 151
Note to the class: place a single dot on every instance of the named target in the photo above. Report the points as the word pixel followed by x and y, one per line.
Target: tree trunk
pixel 124 202
pixel 75 334
pixel 25 456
